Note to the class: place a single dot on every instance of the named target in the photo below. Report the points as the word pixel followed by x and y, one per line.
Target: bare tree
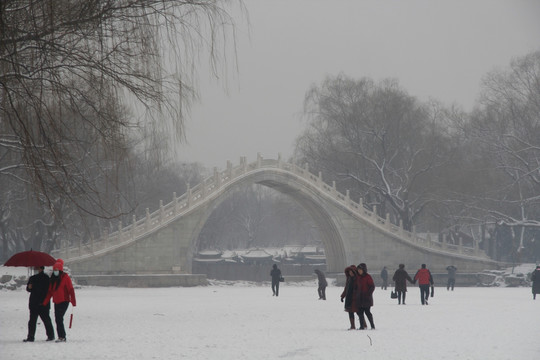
pixel 504 132
pixel 380 142
pixel 66 68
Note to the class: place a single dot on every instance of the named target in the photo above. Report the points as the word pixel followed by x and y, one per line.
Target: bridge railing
pixel 210 186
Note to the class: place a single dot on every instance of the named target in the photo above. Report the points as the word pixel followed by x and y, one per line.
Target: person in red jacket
pixel 62 292
pixel 423 275
pixel 366 286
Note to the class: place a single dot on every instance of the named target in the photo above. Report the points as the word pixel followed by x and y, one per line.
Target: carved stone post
pixel 133 227
pixel 188 194
pixel 203 189
pixel 217 179
pixel 120 231
pixel 243 161
pixel 229 170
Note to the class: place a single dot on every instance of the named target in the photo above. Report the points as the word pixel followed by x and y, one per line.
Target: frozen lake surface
pixel 244 321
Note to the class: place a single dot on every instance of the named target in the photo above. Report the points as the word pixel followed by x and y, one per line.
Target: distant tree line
pixel 434 167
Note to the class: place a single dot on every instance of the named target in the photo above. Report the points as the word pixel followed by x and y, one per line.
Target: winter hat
pixel 363 266
pixel 58 265
pixel 349 268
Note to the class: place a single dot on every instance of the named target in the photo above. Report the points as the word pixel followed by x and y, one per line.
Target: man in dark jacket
pixel 322 284
pixel 384 277
pixel 424 278
pixel 275 273
pixel 37 286
pixel 451 277
pixel 535 278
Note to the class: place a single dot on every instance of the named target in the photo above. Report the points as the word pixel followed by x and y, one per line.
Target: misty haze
pixel 172 153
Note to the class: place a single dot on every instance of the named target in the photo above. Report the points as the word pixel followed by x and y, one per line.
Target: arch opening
pixel 320 231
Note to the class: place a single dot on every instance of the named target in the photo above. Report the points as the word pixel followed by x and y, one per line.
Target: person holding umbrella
pixel 62 292
pixel 38 286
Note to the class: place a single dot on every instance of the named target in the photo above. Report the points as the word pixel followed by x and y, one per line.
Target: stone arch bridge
pixel 165 241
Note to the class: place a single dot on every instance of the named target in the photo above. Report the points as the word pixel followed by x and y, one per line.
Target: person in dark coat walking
pixel 366 286
pixel 425 280
pixel 400 279
pixel 535 278
pixel 322 284
pixel 350 293
pixel 275 273
pixel 37 286
pixel 384 277
pixel 451 277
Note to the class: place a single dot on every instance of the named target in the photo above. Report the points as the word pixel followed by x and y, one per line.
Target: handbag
pixel 393 294
pixel 281 279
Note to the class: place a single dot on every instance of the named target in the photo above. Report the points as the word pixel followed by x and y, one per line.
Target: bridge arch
pixel 290 186
pixel 165 240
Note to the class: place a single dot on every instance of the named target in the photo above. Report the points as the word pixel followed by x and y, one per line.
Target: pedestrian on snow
pixel 366 286
pixel 62 292
pixel 384 277
pixel 275 273
pixel 535 278
pixel 322 284
pixel 451 277
pixel 400 279
pixel 37 286
pixel 350 293
pixel 425 280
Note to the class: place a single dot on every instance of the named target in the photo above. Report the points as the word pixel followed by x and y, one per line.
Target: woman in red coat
pixel 350 294
pixel 366 286
pixel 62 292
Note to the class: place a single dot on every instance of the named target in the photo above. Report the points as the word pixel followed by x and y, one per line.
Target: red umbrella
pixel 30 258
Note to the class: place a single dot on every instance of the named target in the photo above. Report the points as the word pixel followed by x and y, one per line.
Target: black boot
pixel 370 318
pixel 352 323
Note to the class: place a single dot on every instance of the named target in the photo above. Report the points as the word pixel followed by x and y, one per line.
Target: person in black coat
pixel 400 278
pixel 451 277
pixel 37 286
pixel 384 277
pixel 275 273
pixel 535 278
pixel 322 284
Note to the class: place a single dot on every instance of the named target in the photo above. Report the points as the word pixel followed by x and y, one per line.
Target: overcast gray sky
pixel 436 49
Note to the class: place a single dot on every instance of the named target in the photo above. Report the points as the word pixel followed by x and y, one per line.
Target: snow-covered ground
pixel 244 321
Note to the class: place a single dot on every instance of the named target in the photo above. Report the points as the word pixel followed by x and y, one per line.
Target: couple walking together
pixel 358 295
pixel 42 288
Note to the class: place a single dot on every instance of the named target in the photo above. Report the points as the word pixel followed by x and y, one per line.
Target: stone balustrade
pixel 212 187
